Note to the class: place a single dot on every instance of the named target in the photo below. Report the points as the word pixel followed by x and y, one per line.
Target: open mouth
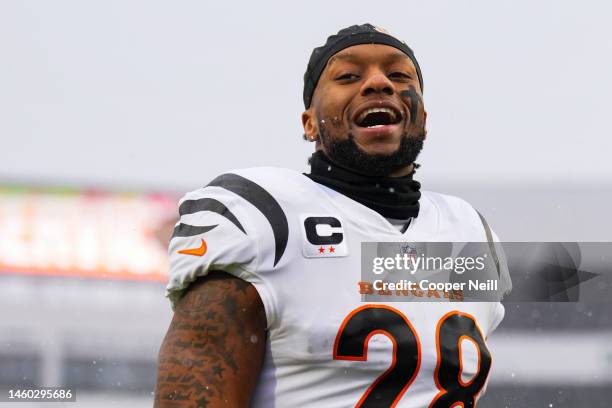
pixel 378 117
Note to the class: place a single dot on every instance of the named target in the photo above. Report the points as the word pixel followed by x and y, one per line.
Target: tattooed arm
pixel 213 351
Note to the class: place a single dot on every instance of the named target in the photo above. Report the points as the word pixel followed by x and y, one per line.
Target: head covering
pixel 347 37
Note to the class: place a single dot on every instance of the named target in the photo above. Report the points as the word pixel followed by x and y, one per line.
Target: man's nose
pixel 377 83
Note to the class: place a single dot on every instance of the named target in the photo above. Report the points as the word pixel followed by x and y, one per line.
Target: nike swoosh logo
pixel 201 250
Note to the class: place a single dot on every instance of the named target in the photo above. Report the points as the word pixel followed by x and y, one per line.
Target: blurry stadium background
pixel 110 111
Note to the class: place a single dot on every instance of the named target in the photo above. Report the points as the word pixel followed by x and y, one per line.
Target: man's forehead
pixel 370 52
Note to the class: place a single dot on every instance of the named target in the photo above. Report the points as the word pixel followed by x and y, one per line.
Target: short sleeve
pixel 211 234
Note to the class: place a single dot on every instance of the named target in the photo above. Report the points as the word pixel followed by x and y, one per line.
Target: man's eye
pixel 399 75
pixel 347 76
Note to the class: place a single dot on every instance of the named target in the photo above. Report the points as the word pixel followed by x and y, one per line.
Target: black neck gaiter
pixel 391 197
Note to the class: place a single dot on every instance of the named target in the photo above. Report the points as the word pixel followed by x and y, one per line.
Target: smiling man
pixel 265 262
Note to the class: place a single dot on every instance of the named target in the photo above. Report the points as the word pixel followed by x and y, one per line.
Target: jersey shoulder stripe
pixel 209 204
pixel 186 230
pixel 264 202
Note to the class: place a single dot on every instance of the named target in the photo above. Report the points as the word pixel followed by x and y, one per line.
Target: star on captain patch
pixel 324 236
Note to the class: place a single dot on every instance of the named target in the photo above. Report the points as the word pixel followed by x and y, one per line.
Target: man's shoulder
pixel 250 177
pixel 261 186
pixel 269 175
pixel 456 218
pixel 446 202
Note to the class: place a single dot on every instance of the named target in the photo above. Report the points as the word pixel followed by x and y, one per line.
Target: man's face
pixel 367 110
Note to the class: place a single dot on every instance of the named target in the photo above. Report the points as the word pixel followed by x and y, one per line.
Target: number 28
pixel 386 391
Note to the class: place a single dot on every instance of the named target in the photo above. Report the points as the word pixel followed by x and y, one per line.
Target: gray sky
pixel 151 94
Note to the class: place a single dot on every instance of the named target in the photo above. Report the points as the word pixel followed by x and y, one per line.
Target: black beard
pixel 347 154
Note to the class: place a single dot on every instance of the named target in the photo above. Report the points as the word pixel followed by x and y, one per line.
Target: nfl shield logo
pixel 405 248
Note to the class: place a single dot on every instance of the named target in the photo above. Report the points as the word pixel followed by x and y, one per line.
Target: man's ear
pixel 310 124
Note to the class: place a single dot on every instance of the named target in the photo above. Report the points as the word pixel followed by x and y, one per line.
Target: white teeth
pixel 374 110
pixel 374 126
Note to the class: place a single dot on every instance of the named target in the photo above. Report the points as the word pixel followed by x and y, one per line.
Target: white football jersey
pixel 299 243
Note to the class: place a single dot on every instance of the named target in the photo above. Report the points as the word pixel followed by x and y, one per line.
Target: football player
pixel 265 262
